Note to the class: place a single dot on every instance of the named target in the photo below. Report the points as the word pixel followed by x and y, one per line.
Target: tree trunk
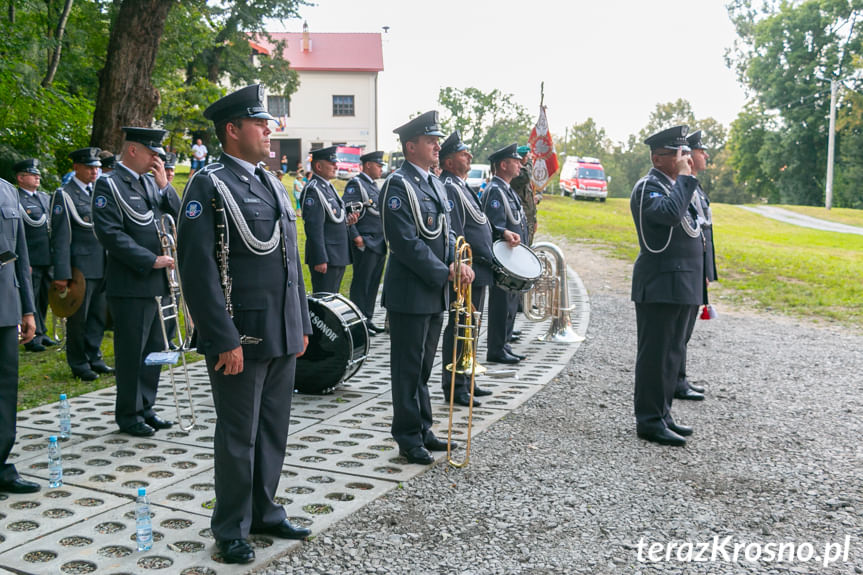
pixel 126 95
pixel 54 63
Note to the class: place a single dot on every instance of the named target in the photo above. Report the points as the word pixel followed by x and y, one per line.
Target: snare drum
pixel 338 345
pixel 515 269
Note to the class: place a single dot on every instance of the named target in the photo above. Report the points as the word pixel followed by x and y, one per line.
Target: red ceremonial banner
pixel 545 160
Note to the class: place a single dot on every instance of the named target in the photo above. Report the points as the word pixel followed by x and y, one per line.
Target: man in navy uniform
pixel 416 282
pixel 128 205
pixel 170 166
pixel 74 245
pixel 237 253
pixel 369 250
pixel 701 204
pixel 16 310
pixel 468 220
pixel 504 210
pixel 326 223
pixel 667 281
pixel 36 206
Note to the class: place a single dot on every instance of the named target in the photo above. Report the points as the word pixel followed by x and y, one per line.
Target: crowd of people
pixel 237 253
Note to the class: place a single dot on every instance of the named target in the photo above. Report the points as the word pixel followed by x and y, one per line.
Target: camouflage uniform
pixel 524 190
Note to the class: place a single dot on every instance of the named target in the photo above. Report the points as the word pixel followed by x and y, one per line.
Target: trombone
pixel 466 330
pixel 171 311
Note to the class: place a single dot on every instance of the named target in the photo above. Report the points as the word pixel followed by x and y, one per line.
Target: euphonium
pixel 549 296
pixel 171 311
pixel 466 330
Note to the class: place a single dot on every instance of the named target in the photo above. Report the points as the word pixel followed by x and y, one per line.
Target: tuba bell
pixel 549 296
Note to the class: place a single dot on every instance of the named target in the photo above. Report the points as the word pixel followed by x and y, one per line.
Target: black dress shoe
pixel 140 429
pixel 418 454
pixel 437 444
pixel 283 530
pixel 157 422
pixel 682 430
pixel 86 375
pixel 512 353
pixel 516 332
pixel 19 485
pixel 374 328
pixel 689 394
pixel 514 337
pixel 502 358
pixel 480 392
pixel 34 346
pixel 464 399
pixel 101 367
pixel 693 387
pixel 235 551
pixel 48 342
pixel 663 437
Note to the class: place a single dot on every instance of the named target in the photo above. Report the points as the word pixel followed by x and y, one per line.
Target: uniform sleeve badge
pixel 394 203
pixel 495 204
pixel 194 209
pixel 656 194
pixel 310 201
pixel 100 202
pixel 58 209
pixel 450 205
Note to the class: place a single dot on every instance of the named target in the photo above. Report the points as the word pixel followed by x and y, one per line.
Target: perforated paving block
pixel 105 543
pixel 312 498
pixel 33 443
pixel 89 416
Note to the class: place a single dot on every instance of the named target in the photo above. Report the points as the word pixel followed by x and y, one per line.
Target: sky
pixel 611 60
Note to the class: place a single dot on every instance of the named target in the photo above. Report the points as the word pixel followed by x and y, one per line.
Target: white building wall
pixel 312 119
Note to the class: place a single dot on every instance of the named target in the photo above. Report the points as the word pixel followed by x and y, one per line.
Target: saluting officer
pixel 36 210
pixel 369 250
pixel 128 205
pixel 326 224
pixel 16 310
pixel 468 220
pixel 237 253
pixel 701 204
pixel 504 210
pixel 74 245
pixel 416 288
pixel 667 281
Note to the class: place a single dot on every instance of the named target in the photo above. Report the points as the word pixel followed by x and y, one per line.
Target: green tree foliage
pixel 487 121
pixel 787 54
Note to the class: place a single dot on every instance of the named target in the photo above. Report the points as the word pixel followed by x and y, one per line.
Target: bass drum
pixel 515 269
pixel 338 345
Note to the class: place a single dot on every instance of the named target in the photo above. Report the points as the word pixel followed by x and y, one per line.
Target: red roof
pixel 329 52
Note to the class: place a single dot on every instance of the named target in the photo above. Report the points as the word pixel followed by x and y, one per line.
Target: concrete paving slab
pixel 33 443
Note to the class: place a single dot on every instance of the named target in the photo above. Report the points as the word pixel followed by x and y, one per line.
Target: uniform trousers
pixel 41 279
pixel 462 380
pixel 502 307
pixel 252 418
pixel 329 282
pixel 137 332
pixel 413 342
pixel 368 269
pixel 661 348
pixel 86 327
pixel 682 384
pixel 8 398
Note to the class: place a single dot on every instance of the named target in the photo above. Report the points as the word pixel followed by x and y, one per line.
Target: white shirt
pixel 82 185
pixel 199 151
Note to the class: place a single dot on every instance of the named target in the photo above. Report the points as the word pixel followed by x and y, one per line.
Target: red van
pixel 583 178
pixel 348 162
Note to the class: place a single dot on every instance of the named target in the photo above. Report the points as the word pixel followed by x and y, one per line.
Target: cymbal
pixel 66 303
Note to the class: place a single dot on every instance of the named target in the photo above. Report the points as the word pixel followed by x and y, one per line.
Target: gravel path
pixel 805 221
pixel 562 485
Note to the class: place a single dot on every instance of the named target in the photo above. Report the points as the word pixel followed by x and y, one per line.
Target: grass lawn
pixel 839 215
pixel 762 263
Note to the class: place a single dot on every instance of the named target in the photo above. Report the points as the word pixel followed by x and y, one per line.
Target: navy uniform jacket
pixel 369 226
pixel 38 239
pixel 676 275
pixel 326 241
pixel 14 277
pixel 74 245
pixel 493 200
pixel 416 280
pixel 132 247
pixel 479 236
pixel 268 296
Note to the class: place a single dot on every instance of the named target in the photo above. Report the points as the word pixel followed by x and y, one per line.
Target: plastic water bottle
pixel 65 421
pixel 143 524
pixel 55 463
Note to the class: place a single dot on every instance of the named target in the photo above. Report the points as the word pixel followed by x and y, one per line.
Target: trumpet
pixel 466 330
pixel 358 207
pixel 549 296
pixel 171 311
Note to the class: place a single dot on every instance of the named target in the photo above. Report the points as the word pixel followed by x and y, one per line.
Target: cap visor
pixel 264 116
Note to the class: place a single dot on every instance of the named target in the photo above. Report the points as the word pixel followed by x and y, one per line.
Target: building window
pixel 343 105
pixel 279 106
